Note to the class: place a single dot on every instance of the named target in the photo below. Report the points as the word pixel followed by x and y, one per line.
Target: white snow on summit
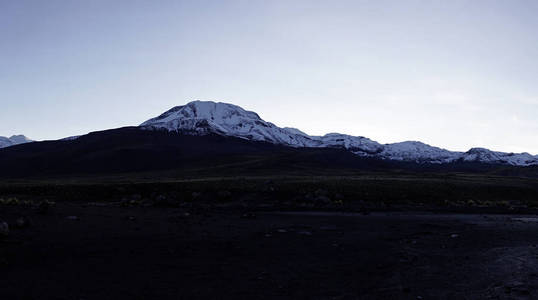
pixel 207 117
pixel 295 131
pixel 418 152
pixel 488 156
pixel 356 144
pixel 13 140
pixel 204 117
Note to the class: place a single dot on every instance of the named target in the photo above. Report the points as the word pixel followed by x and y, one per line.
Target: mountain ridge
pixel 205 117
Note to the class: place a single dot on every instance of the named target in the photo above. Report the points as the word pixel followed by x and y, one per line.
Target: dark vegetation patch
pixel 373 191
pixel 140 167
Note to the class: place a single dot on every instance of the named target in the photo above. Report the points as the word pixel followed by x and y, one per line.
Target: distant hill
pixel 13 140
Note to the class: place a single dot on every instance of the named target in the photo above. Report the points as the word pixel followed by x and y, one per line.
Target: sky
pixel 454 74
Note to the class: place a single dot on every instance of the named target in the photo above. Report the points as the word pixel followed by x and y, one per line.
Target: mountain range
pixel 219 138
pixel 205 117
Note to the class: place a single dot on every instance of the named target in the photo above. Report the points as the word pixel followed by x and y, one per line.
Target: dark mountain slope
pixel 132 149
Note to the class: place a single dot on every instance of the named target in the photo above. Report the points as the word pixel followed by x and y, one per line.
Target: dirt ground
pixel 84 251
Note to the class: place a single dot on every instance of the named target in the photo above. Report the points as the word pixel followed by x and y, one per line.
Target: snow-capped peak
pixel 207 117
pixel 204 117
pixel 419 152
pixel 488 156
pixel 356 144
pixel 295 131
pixel 13 140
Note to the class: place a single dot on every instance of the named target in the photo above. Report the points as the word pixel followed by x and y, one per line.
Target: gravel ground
pixel 81 251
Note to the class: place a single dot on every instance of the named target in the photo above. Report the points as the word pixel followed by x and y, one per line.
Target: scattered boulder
pixel 248 215
pixel 160 198
pixel 164 201
pixel 44 207
pixel 329 228
pixel 224 195
pixel 124 202
pixel 318 198
pixel 516 287
pixel 4 229
pixel 322 192
pixel 269 186
pixel 196 195
pixel 323 200
pixel 23 222
pixel 179 217
pixel 133 200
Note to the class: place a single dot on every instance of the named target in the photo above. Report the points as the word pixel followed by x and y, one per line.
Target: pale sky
pixel 453 74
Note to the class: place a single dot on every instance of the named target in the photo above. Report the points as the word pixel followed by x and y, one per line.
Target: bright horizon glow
pixel 452 74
